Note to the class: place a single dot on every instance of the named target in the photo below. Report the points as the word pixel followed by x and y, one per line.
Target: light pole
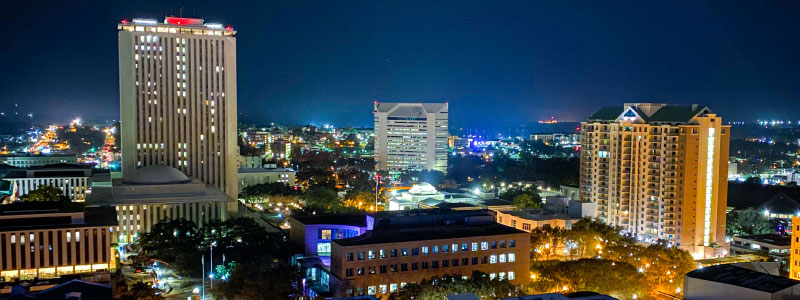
pixel 377 184
pixel 203 275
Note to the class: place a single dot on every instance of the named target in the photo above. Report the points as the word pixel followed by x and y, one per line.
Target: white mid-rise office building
pixel 410 136
pixel 178 98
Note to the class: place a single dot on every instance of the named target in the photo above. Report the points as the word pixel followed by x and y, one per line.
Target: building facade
pixel 73 180
pixel 254 176
pixel 775 246
pixel 47 242
pixel 178 98
pixel 794 258
pixel 27 160
pixel 382 261
pixel 659 171
pixel 158 193
pixel 411 136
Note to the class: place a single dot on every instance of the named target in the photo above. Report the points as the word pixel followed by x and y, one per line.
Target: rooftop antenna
pixel 181 11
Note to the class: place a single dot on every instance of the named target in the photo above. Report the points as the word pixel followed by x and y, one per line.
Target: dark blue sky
pixel 499 62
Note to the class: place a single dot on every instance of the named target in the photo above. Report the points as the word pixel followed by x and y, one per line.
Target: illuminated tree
pixel 45 193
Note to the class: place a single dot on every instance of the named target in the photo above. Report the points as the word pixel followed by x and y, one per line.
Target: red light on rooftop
pixel 124 21
pixel 183 21
pixel 229 28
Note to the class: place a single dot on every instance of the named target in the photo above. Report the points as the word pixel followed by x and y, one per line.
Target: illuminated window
pixel 484 245
pixel 474 246
pixel 492 259
pixel 512 257
pixel 325 234
pixel 511 276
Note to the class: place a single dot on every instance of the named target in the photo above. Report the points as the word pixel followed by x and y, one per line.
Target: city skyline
pixel 499 64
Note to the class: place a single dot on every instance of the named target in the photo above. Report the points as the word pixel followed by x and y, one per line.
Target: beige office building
pixel 411 136
pixel 659 171
pixel 178 98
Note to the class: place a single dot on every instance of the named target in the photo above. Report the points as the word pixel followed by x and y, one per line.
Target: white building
pixel 73 180
pixel 28 160
pixel 729 281
pixel 253 176
pixel 411 136
pixel 178 98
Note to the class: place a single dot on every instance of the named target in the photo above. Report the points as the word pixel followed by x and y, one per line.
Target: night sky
pixel 496 62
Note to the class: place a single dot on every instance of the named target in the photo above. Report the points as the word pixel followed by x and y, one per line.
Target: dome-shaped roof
pixel 422 188
pixel 157 174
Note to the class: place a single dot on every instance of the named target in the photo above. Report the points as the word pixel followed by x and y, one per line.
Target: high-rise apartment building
pixel 178 98
pixel 659 171
pixel 410 136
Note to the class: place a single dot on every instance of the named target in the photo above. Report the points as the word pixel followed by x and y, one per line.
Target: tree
pixel 547 241
pixel 176 242
pixel 746 222
pixel 45 193
pixel 532 200
pixel 258 280
pixel 437 288
pixel 141 291
pixel 618 279
pixel 525 201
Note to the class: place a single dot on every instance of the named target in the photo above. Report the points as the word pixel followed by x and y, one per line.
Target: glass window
pixel 464 247
pixel 445 263
pixel 392 287
pixel 371 290
pixel 511 243
pixel 361 256
pixel 494 244
pixel 455 262
pixel 502 258
pixel 371 270
pixel 445 248
pixel 435 249
pixel 502 244
pixel 382 289
pixel 383 269
pixel 324 249
pixel 465 261
pixel 403 267
pixel 425 250
pixel 484 245
pixel 511 276
pixel 360 271
pixel 414 266
pixel 325 234
pixel 474 260
pixel 371 254
pixel 474 246
pixel 350 256
pixel 393 267
pixel 492 276
pixel 382 253
pixel 405 252
pixel 394 252
pixel 512 257
pixel 414 251
pixel 424 265
pixel 435 264
pixel 502 275
pixel 349 272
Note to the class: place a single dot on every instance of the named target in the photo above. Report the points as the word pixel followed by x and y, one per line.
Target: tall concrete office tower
pixel 178 98
pixel 660 172
pixel 410 136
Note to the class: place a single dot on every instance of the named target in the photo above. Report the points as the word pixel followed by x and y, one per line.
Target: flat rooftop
pixel 264 170
pixel 770 238
pixel 359 220
pixel 47 215
pixel 401 235
pixel 741 277
pixel 537 215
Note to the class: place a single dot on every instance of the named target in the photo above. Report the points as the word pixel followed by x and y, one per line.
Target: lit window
pixel 484 245
pixel 492 259
pixel 511 275
pixel 502 258
pixel 512 257
pixel 474 246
